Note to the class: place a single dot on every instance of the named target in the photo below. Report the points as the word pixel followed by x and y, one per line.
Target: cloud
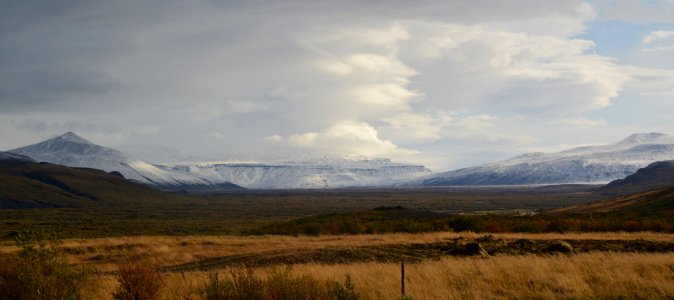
pixel 581 122
pixel 349 137
pixel 471 67
pixel 216 135
pixel 386 78
pixel 274 138
pixel 658 35
pixel 414 127
pixel 660 11
pixel 656 50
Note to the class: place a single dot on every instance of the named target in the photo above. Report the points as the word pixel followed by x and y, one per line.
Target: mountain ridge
pixel 72 150
pixel 588 164
pixel 654 176
pixel 324 172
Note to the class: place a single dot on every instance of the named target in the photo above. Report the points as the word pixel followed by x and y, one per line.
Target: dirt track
pixel 417 251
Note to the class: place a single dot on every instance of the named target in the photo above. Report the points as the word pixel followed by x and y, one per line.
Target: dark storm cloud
pixel 46 89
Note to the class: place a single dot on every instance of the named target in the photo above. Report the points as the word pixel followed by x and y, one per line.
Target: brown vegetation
pixel 599 275
pixel 276 284
pixel 136 212
pixel 621 202
pixel 574 274
pixel 39 270
pixel 104 254
pixel 137 279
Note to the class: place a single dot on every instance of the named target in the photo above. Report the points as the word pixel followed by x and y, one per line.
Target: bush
pixel 10 267
pixel 466 223
pixel 277 284
pixel 39 271
pixel 137 280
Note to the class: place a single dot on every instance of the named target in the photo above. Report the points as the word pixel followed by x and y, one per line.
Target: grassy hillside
pixel 36 185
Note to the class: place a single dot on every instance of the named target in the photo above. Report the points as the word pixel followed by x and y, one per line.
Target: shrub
pixel 346 291
pixel 40 270
pixel 466 223
pixel 10 267
pixel 137 280
pixel 277 284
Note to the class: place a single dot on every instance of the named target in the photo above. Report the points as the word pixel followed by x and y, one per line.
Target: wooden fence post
pixel 402 277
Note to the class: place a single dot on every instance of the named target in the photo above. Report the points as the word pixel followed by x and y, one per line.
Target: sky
pixel 446 84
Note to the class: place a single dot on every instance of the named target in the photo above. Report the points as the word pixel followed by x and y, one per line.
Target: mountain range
pixel 315 173
pixel 71 150
pixel 590 164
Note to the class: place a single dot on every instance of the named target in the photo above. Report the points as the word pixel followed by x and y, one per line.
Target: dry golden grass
pixel 584 276
pixel 104 253
pixel 592 275
pixel 595 275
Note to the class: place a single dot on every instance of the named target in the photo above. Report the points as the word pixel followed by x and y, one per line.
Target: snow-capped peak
pixel 71 137
pixel 71 150
pixel 646 138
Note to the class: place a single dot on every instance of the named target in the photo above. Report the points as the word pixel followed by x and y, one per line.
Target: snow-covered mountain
pixel 324 172
pixel 73 151
pixel 591 164
pixel 314 173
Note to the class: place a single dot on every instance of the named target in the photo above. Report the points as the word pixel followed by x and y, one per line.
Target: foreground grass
pixel 104 253
pixel 582 276
pixel 590 275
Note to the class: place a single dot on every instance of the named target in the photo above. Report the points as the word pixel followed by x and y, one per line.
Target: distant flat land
pixel 239 211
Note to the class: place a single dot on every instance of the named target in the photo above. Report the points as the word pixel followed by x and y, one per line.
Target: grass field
pixel 188 238
pixel 580 274
pixel 584 276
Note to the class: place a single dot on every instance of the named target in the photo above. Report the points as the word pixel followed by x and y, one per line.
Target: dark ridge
pixel 654 176
pixel 44 185
pixel 115 173
pixel 59 184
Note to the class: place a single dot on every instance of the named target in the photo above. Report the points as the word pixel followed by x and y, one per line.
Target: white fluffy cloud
pixel 351 137
pixel 657 36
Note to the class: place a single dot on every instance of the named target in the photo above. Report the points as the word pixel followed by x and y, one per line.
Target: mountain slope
pixel 594 164
pixel 34 185
pixel 74 151
pixel 656 175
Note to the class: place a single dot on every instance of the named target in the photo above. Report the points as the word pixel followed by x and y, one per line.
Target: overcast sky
pixel 446 84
